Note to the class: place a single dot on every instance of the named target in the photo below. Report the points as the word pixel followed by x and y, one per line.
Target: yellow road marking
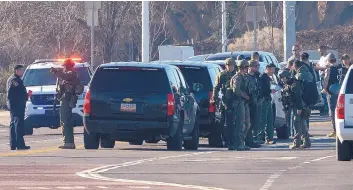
pixel 28 152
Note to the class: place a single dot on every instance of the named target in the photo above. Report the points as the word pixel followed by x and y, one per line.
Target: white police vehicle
pixel 344 119
pixel 41 85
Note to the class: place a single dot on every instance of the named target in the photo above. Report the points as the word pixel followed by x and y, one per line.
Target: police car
pixel 344 119
pixel 41 87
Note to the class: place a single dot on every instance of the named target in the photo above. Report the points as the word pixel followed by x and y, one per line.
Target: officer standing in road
pixel 266 121
pixel 239 84
pixel 68 80
pixel 16 103
pixel 254 92
pixel 293 91
pixel 226 107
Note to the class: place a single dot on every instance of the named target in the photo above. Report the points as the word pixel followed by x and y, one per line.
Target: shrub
pixel 5 73
pixel 246 42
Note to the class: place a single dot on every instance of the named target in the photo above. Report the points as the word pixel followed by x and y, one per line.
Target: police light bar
pixel 73 59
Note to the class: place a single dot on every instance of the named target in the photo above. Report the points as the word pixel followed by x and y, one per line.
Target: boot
pixel 67 146
pixel 306 143
pixel 296 144
pixel 241 148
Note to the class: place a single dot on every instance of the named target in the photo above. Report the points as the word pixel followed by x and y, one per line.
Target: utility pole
pixel 224 27
pixel 272 40
pixel 145 32
pixel 255 26
pixel 289 32
pixel 92 21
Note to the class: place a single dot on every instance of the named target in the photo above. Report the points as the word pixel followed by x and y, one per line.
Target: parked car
pixel 344 119
pixel 134 102
pixel 211 123
pixel 265 57
pixel 42 83
pixel 198 57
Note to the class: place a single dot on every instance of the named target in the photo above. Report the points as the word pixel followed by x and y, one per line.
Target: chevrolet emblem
pixel 127 99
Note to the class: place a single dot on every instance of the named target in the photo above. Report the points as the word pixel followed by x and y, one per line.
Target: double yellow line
pixel 29 152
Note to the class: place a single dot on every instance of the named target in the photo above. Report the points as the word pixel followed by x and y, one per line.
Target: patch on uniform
pixel 14 83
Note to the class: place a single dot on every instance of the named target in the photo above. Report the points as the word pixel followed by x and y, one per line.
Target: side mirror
pixel 197 87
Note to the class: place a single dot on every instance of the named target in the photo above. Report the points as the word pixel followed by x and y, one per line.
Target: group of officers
pixel 17 97
pixel 246 102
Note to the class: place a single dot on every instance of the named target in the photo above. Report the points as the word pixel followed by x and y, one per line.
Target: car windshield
pixel 197 75
pixel 42 77
pixel 137 80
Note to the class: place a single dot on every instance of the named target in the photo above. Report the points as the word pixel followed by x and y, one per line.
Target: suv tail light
pixel 87 103
pixel 340 107
pixel 211 107
pixel 170 105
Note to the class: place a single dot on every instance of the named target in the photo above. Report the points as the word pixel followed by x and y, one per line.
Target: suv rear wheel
pixel 136 142
pixel 176 142
pixel 91 140
pixel 28 129
pixel 193 144
pixel 344 150
pixel 282 132
pixel 106 142
pixel 215 136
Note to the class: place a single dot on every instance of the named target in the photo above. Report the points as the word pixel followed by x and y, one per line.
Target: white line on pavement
pixel 95 173
pixel 33 188
pixel 139 187
pixel 272 177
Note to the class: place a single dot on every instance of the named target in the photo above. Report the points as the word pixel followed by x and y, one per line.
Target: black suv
pixel 134 102
pixel 211 124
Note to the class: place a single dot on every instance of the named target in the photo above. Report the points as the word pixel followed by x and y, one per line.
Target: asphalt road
pixel 150 166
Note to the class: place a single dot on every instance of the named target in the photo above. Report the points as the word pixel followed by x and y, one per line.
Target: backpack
pixel 311 70
pixel 310 94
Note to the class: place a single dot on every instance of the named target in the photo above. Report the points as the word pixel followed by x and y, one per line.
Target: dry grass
pixel 246 42
pixel 5 74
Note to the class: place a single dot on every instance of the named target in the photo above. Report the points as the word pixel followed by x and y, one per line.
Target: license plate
pixel 128 107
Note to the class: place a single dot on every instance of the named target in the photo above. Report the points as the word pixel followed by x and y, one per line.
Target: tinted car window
pixel 213 75
pixel 42 77
pixel 130 80
pixel 172 78
pixel 197 75
pixel 349 87
pixel 182 80
pixel 234 56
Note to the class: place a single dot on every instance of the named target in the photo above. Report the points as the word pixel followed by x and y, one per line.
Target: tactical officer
pixel 16 103
pixel 255 56
pixel 293 90
pixel 223 84
pixel 254 92
pixel 241 104
pixel 266 121
pixel 67 81
pixel 240 57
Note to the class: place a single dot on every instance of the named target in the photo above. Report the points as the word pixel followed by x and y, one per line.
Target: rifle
pixel 56 96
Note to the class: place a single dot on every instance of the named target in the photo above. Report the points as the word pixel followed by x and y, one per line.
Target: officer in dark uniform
pixel 225 103
pixel 68 80
pixel 16 103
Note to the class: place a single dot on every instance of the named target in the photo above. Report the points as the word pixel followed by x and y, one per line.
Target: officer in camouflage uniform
pixel 223 83
pixel 254 93
pixel 67 81
pixel 239 84
pixel 293 92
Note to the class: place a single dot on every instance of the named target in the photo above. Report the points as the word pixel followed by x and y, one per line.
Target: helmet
pixel 242 64
pixel 69 63
pixel 240 57
pixel 229 61
pixel 284 73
